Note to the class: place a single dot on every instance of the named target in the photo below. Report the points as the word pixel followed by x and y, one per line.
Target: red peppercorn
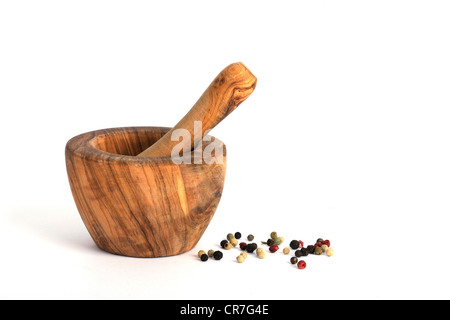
pixel 301 264
pixel 326 242
pixel 242 245
pixel 273 248
pixel 318 244
pixel 301 244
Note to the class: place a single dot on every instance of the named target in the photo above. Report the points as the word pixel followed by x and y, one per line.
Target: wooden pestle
pixel 229 89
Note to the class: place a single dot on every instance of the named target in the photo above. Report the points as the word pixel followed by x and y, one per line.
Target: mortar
pixel 140 206
pixel 133 198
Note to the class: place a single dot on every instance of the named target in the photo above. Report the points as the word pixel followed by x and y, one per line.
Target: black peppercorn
pixel 204 257
pixel 222 243
pixel 238 235
pixel 304 251
pixel 298 253
pixel 294 260
pixel 251 247
pixel 311 248
pixel 294 244
pixel 218 255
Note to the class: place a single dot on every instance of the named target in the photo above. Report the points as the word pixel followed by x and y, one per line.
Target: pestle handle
pixel 229 89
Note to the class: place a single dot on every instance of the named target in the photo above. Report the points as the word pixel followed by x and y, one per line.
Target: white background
pixel 346 137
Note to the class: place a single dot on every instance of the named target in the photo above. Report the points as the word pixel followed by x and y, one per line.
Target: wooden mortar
pixel 133 198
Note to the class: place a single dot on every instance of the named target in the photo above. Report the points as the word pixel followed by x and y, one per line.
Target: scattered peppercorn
pixel 251 247
pixel 238 235
pixel 227 246
pixel 330 252
pixel 244 254
pixel 240 259
pixel 300 242
pixel 318 251
pixel 311 248
pixel 294 244
pixel 234 242
pixel 274 248
pixel 222 243
pixel 242 245
pixel 250 237
pixel 210 253
pixel 204 257
pixel 319 240
pixel 278 240
pixel 304 251
pixel 273 235
pixel 294 260
pixel 301 264
pixel 324 248
pixel 327 242
pixel 286 250
pixel 200 253
pixel 318 244
pixel 261 254
pixel 298 253
pixel 230 236
pixel 218 255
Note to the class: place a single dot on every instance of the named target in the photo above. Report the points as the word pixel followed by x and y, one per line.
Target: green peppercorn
pixel 204 257
pixel 237 235
pixel 274 235
pixel 210 253
pixel 250 237
pixel 294 260
pixel 230 236
pixel 218 255
pixel 277 241
pixel 318 251
pixel 200 253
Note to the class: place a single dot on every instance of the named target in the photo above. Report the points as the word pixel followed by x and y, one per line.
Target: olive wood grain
pixel 229 89
pixel 140 206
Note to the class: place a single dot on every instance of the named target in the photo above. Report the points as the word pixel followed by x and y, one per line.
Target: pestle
pixel 229 89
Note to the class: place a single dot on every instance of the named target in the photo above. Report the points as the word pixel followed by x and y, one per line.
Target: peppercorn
pixel 330 252
pixel 304 251
pixel 318 251
pixel 311 248
pixel 222 243
pixel 319 240
pixel 294 260
pixel 298 253
pixel 218 255
pixel 273 235
pixel 242 245
pixel 318 244
pixel 227 246
pixel 200 253
pixel 250 237
pixel 234 242
pixel 300 243
pixel 240 259
pixel 278 240
pixel 269 242
pixel 204 257
pixel 301 264
pixel 261 254
pixel 238 235
pixel 210 253
pixel 286 250
pixel 244 254
pixel 251 247
pixel 230 236
pixel 259 250
pixel 273 248
pixel 327 242
pixel 294 244
pixel 324 248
